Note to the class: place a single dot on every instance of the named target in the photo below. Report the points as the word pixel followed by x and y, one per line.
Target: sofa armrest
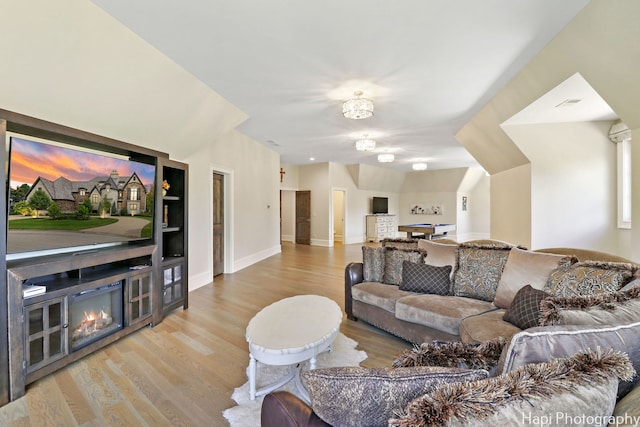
pixel 283 409
pixel 352 276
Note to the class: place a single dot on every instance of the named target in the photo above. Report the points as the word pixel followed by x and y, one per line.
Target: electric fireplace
pixel 95 313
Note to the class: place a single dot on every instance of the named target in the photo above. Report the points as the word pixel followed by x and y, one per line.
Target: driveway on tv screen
pixel 126 228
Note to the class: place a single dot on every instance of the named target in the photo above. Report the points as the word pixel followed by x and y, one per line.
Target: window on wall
pixel 624 184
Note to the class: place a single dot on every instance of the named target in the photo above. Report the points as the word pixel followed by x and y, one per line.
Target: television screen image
pixel 63 198
pixel 380 205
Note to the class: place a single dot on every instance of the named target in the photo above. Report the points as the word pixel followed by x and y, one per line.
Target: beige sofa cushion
pixel 486 326
pixel 443 313
pixel 526 268
pixel 439 254
pixel 378 294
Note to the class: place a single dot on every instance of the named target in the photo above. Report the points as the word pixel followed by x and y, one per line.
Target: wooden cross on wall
pixel 282 172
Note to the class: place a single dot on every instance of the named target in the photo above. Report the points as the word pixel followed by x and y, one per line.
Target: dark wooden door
pixel 303 217
pixel 218 224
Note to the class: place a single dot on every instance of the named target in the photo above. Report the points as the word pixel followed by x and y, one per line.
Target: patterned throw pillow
pixel 365 397
pixel 589 278
pixel 372 263
pixel 479 270
pixel 524 311
pixel 393 259
pixel 425 279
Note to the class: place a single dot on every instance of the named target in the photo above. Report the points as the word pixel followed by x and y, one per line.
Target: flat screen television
pixel 380 205
pixel 65 198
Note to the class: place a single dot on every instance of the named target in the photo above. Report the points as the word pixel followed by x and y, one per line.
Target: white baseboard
pixel 287 238
pixel 199 280
pixel 320 242
pixel 253 258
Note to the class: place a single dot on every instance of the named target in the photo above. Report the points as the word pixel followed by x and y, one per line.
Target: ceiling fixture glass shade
pixel 619 132
pixel 365 144
pixel 419 166
pixel 357 108
pixel 386 158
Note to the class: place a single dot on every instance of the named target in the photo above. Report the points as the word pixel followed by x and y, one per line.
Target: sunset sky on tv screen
pixel 30 159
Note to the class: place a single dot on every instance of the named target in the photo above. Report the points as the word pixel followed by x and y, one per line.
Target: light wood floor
pixel 182 372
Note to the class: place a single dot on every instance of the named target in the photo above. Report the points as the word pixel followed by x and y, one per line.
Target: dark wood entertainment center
pixel 143 280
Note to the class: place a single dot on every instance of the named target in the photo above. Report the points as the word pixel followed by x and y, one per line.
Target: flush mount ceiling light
pixel 365 144
pixel 386 158
pixel 357 108
pixel 419 166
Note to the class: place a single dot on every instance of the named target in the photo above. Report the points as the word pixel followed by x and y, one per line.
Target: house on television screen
pixel 127 192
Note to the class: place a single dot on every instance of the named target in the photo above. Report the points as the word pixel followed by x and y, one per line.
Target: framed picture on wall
pixel 426 209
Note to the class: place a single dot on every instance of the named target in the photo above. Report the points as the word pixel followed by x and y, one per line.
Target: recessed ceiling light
pixel 312 158
pixel 386 158
pixel 419 166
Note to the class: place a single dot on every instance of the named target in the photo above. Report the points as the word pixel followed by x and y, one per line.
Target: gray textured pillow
pixel 368 397
pixel 372 263
pixel 393 259
pixel 425 279
pixel 572 391
pixel 612 308
pixel 542 344
pixel 479 270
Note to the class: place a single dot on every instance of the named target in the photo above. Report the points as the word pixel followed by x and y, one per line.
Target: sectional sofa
pixel 471 302
pixel 549 337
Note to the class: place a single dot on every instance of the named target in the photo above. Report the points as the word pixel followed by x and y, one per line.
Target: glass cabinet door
pixel 139 293
pixel 46 332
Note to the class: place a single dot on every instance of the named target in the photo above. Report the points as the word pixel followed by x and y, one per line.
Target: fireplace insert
pixel 95 313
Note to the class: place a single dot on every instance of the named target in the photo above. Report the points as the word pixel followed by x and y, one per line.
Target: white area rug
pixel 247 413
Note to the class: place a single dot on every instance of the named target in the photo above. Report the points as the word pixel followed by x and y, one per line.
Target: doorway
pixel 338 215
pixel 303 217
pixel 218 224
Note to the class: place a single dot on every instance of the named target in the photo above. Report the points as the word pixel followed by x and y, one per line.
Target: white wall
pixel 479 211
pixel 511 206
pixel 253 215
pixel 573 184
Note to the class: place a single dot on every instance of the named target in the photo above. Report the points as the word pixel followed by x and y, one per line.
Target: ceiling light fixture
pixel 386 158
pixel 365 144
pixel 357 108
pixel 419 166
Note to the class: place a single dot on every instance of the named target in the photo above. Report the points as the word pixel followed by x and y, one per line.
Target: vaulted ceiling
pixel 428 65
